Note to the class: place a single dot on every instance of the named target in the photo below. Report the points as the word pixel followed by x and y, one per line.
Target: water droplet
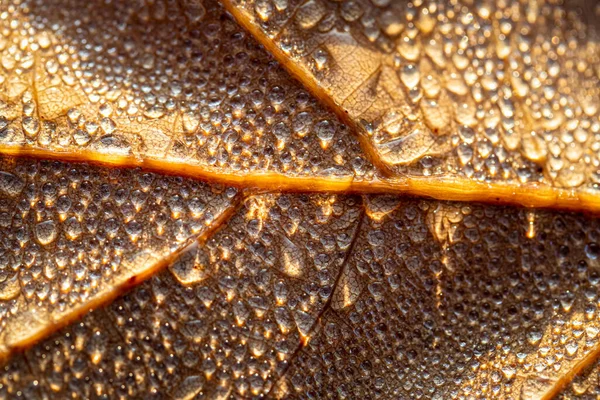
pixel 189 387
pixel 465 153
pixel 194 10
pixel 534 337
pixel 325 131
pixel 191 267
pixel 113 145
pixel 46 232
pixel 309 15
pixel 320 57
pixel 191 121
pixel 263 9
pixel 293 259
pixel 72 228
pixel 43 39
pixel 409 48
pixel 534 147
pixel 391 23
pixel 10 288
pixel 304 322
pixel 107 125
pixel 31 126
pixel 571 348
pixel 155 112
pixel 410 76
pixel 406 149
pixel 81 137
pixel 592 251
pixel 10 184
pixel 509 372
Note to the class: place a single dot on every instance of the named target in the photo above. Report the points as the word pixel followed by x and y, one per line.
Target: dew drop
pixel 10 288
pixel 310 13
pixel 46 232
pixel 320 57
pixel 293 259
pixel 31 126
pixel 194 10
pixel 81 137
pixel 189 388
pixel 410 76
pixel 534 337
pixel 190 268
pixel 592 251
pixel 154 112
pixel 10 184
pixel 191 120
pixel 263 9
pixel 325 131
pixel 304 322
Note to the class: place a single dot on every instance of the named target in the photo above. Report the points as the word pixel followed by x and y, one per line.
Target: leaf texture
pixel 356 298
pixel 182 89
pixel 74 236
pixel 464 91
pixel 290 274
pixel 584 386
pixel 168 87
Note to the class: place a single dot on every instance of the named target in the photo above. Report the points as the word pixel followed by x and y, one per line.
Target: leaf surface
pixel 168 87
pixel 327 296
pixel 75 236
pixel 181 89
pixel 302 281
pixel 463 92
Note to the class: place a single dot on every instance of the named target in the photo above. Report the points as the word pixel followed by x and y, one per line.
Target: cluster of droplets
pixel 519 101
pixel 491 91
pixel 509 87
pixel 142 80
pixel 72 232
pixel 266 278
pixel 229 329
pixel 445 300
pixel 426 299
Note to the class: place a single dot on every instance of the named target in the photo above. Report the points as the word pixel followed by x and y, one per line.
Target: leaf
pixel 133 84
pixel 128 84
pixel 450 300
pixel 252 303
pixel 75 236
pixel 385 296
pixel 462 92
pixel 285 294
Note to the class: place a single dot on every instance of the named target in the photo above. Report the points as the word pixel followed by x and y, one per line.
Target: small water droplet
pixel 410 76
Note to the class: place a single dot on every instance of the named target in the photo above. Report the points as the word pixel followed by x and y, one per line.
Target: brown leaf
pixel 292 284
pixel 509 90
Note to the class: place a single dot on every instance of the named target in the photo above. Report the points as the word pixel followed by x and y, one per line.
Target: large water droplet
pixel 10 184
pixel 191 267
pixel 10 288
pixel 410 76
pixel 189 388
pixel 46 232
pixel 304 322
